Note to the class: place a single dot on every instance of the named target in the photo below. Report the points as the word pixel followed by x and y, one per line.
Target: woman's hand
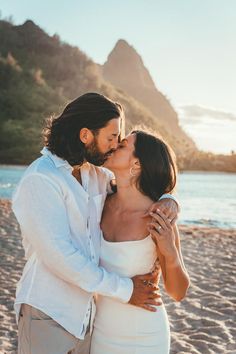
pixel 166 237
pixel 163 235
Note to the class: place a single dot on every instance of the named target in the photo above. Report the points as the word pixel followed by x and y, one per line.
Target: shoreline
pixel 204 322
pixel 183 226
pixel 180 171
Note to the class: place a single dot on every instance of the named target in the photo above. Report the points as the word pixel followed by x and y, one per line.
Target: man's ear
pixel 85 135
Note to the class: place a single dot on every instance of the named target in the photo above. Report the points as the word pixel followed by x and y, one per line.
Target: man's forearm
pixel 170 196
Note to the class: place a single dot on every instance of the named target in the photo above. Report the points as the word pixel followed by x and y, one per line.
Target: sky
pixel 188 46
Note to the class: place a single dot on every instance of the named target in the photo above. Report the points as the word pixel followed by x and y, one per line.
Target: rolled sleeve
pixel 170 196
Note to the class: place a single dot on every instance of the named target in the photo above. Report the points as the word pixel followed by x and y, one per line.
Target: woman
pixel 134 242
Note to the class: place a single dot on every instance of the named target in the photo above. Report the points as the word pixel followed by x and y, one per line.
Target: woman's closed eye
pixel 122 144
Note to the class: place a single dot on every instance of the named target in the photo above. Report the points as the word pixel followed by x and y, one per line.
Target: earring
pixel 131 172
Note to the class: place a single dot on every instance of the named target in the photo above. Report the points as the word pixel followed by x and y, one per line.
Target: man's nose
pixel 114 145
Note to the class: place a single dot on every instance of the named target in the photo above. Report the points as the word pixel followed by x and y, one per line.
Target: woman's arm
pixel 166 236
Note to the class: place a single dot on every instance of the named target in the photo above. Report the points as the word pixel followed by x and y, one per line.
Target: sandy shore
pixel 205 322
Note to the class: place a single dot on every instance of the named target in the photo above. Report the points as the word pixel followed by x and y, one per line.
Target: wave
pixel 209 223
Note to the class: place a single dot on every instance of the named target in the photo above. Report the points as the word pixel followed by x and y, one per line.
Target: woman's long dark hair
pixel 158 167
pixel 92 111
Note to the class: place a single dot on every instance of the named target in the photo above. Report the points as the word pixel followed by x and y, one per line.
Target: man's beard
pixel 93 154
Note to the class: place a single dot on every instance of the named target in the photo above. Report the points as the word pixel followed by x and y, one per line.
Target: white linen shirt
pixel 60 225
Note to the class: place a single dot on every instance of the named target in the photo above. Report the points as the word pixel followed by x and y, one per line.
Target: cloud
pixel 191 112
pixel 211 129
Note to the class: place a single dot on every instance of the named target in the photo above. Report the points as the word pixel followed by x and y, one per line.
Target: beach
pixel 204 322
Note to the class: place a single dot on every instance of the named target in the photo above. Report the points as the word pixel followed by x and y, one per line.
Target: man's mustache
pixel 109 152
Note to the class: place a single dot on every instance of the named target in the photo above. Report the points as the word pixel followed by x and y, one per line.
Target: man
pixel 58 205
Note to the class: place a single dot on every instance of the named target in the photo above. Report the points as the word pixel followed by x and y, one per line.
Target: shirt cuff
pixel 125 290
pixel 170 196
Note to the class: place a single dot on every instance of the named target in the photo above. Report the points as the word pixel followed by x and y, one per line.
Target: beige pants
pixel 40 334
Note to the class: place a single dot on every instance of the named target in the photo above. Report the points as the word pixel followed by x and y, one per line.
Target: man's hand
pixel 145 293
pixel 168 207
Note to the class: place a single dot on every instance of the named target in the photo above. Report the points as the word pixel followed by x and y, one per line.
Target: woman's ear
pixel 136 166
pixel 85 135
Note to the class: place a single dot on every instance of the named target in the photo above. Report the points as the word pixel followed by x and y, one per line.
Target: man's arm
pixel 168 204
pixel 40 210
pixel 170 196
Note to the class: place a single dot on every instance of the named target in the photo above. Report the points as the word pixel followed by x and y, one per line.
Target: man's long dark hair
pixel 158 166
pixel 92 111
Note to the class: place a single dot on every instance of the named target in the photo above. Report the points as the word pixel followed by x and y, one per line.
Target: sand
pixel 204 322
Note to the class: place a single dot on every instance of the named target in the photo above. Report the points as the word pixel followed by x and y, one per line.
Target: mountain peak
pixel 29 25
pixel 125 69
pixel 124 63
pixel 125 52
pixel 122 44
pixel 34 38
pixel 31 30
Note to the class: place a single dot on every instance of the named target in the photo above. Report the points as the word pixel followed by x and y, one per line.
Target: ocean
pixel 206 199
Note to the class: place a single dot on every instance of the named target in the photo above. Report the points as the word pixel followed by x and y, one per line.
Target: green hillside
pixel 39 74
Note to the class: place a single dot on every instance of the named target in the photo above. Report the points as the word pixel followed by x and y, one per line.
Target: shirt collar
pixel 59 162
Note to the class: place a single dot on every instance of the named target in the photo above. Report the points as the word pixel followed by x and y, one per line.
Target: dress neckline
pixel 126 242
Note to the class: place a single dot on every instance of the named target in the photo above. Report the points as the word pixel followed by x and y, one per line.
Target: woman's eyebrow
pixel 124 141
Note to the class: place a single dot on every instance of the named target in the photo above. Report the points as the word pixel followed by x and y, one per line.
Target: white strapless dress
pixel 122 328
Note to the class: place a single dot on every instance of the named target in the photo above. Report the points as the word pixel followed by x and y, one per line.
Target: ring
pixel 146 282
pixel 169 220
pixel 159 228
